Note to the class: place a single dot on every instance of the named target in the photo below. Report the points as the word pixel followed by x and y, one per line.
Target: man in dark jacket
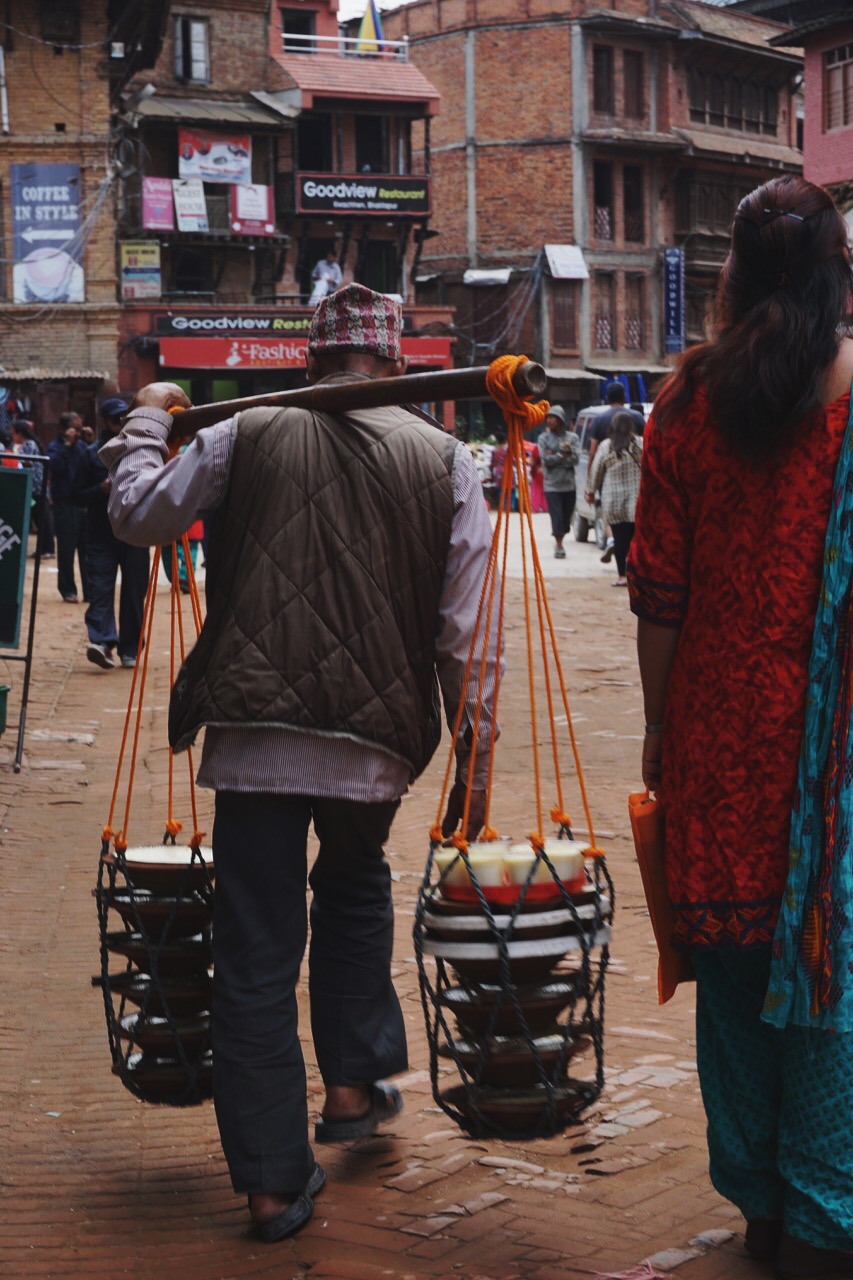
pixel 66 454
pixel 106 555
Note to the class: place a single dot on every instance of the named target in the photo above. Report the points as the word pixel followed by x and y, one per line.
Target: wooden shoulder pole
pixel 340 397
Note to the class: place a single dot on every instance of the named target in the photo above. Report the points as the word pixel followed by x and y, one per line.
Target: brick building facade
pixel 320 130
pixel 63 65
pixel 575 144
pixel 824 30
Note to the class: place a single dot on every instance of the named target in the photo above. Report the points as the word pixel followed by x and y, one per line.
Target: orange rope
pixel 520 416
pixel 148 625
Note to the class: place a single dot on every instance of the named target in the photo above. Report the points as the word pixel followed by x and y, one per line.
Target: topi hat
pixel 114 407
pixel 355 318
pixel 556 411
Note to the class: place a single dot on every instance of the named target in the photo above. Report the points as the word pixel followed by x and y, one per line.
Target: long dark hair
pixel 621 432
pixel 783 292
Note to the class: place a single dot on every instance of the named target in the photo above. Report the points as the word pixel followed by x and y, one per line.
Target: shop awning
pixel 494 275
pixel 207 111
pixel 566 262
pixel 571 375
pixel 36 373
pixel 613 368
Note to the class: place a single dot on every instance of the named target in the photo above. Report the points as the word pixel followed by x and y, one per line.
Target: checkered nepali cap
pixel 357 319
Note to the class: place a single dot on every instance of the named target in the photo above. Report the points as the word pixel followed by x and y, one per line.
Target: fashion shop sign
pixel 275 353
pixel 363 193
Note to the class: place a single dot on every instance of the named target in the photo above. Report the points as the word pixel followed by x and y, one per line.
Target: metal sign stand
pixel 27 656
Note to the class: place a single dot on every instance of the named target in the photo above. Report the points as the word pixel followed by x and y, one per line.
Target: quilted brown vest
pixel 326 566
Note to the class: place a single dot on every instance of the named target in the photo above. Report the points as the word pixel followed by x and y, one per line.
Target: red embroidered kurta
pixel 733 555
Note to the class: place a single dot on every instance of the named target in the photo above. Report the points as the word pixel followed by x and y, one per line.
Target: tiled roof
pixel 332 76
pixel 739 28
pixel 206 111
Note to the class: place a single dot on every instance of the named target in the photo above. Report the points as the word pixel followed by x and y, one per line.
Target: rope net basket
pixel 155 908
pixel 512 939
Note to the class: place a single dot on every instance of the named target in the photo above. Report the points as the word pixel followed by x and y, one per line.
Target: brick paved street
pixel 96 1184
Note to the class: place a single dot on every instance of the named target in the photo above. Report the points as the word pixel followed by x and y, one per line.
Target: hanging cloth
pixel 811 981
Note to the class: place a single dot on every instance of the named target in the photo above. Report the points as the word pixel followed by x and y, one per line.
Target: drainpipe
pixel 471 144
pixel 4 99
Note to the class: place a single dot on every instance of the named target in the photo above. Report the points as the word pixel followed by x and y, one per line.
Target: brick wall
pixel 827 156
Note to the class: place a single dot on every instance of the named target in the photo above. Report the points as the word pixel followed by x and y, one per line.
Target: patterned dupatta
pixel 811 976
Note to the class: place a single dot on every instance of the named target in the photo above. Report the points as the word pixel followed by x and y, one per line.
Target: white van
pixel 587 517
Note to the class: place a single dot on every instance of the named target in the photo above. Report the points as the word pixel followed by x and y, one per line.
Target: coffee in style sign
pixel 15 501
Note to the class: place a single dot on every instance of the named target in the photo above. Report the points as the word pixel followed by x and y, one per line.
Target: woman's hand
pixel 651 760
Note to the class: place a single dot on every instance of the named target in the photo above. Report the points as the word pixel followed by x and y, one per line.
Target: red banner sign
pixel 276 353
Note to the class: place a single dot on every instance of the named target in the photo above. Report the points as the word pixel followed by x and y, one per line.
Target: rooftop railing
pixel 345 46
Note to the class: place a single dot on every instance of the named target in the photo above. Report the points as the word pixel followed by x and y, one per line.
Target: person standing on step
pixel 66 454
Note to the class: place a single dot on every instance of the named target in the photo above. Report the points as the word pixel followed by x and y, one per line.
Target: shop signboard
pixel 46 241
pixel 376 195
pixel 252 211
pixel 275 352
pixel 158 209
pixel 16 487
pixel 140 269
pixel 190 204
pixel 214 157
pixel 673 300
pixel 284 321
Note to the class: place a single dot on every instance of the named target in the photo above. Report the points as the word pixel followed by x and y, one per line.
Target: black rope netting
pixel 161 1052
pixel 525 984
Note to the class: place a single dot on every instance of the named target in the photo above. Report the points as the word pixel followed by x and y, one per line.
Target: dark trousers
pixel 71 539
pixel 561 508
pixel 42 521
pixel 622 535
pixel 259 934
pixel 104 560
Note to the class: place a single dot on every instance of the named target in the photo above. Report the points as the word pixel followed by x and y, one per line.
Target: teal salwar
pixel 779 1103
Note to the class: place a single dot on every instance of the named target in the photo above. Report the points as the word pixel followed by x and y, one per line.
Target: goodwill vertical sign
pixel 46 240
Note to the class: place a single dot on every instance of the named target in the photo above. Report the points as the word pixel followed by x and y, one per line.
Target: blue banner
pixel 46 240
pixel 673 300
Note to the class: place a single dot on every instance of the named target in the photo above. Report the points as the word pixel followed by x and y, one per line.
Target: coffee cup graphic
pixel 48 275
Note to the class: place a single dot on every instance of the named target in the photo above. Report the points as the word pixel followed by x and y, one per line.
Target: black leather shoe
pixel 762 1237
pixel 798 1260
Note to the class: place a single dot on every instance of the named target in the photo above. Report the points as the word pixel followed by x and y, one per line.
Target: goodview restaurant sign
pixel 363 193
pixel 178 324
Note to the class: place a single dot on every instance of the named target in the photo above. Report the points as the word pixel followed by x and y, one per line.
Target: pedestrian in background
pixel 107 555
pixel 317 674
pixel 26 445
pixel 560 452
pixel 616 472
pixel 740 575
pixel 66 454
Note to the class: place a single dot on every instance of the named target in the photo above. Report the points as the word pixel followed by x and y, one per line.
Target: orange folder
pixel 647 824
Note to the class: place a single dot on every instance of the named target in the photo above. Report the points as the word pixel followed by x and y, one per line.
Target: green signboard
pixel 15 502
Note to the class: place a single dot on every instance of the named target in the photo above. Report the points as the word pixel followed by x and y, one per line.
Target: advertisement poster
pixel 46 240
pixel 158 210
pixel 15 501
pixel 190 204
pixel 673 300
pixel 252 210
pixel 140 269
pixel 214 157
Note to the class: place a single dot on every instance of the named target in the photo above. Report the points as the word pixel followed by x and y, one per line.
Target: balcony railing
pixel 218 217
pixel 344 46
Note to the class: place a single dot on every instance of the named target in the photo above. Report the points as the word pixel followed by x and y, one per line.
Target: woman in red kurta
pixel 725 572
